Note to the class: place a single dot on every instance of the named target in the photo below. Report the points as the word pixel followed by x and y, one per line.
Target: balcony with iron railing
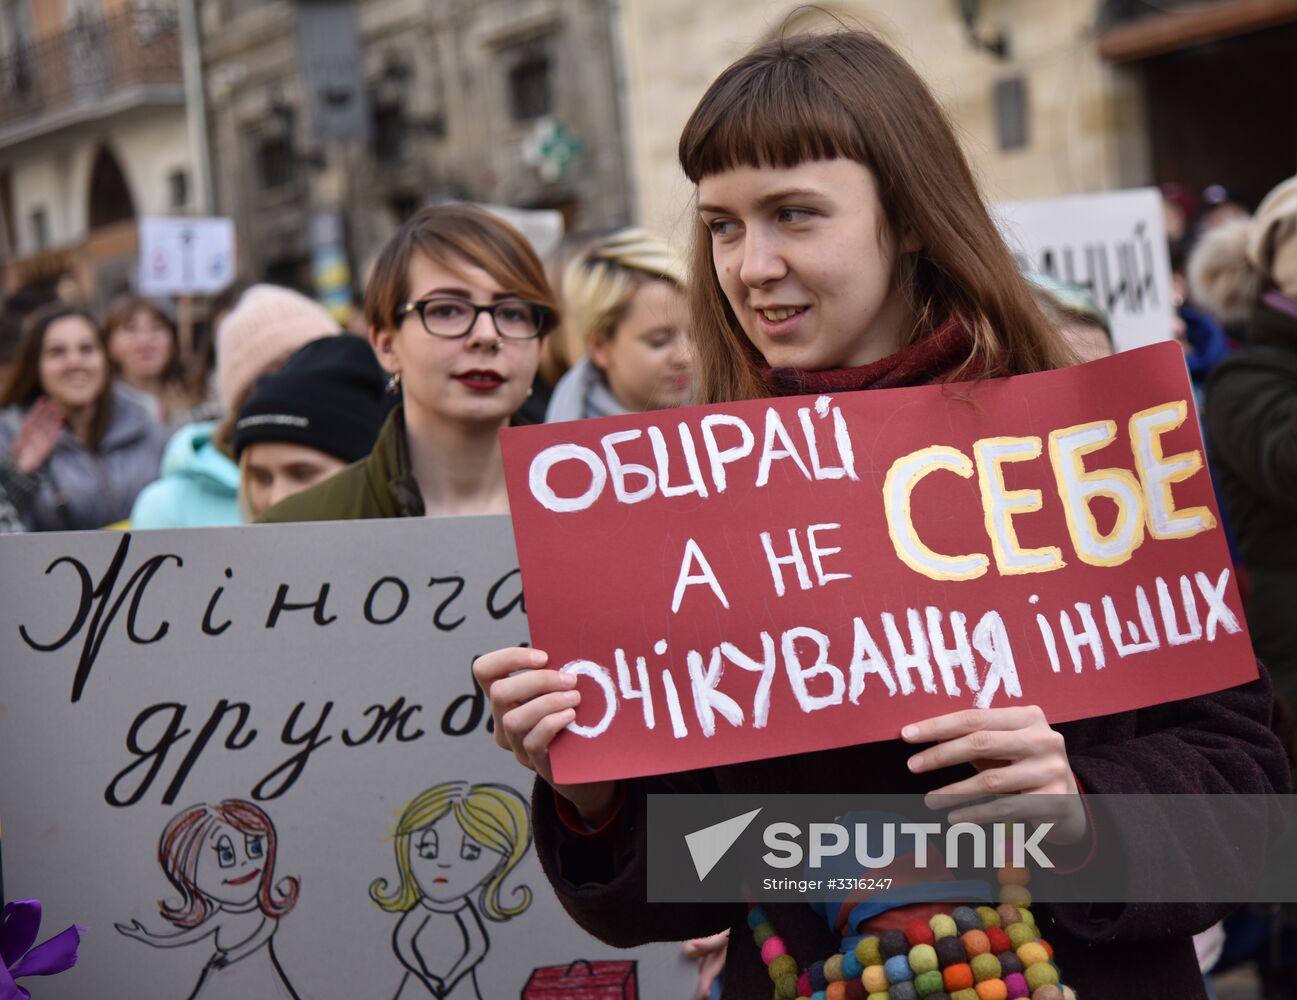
pixel 96 65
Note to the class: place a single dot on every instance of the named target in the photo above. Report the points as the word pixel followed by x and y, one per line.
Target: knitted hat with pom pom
pixel 266 325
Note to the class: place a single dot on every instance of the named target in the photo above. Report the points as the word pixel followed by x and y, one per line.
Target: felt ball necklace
pixel 970 953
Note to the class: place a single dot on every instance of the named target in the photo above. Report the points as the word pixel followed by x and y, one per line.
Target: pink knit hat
pixel 267 324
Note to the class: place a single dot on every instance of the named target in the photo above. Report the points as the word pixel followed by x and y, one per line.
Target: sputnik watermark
pixel 874 845
pixel 962 844
pixel 833 847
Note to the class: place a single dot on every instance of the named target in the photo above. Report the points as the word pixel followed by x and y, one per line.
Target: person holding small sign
pixel 457 306
pixel 841 245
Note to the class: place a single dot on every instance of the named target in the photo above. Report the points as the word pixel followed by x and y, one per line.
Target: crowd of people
pixel 104 424
pixel 840 244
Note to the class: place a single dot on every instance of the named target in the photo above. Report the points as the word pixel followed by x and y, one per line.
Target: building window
pixel 178 189
pixel 388 127
pixel 1011 116
pixel 529 85
pixel 40 229
pixel 110 195
pixel 276 161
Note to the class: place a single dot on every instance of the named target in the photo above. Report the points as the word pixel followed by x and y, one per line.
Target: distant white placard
pixel 181 256
pixel 252 762
pixel 543 227
pixel 1113 245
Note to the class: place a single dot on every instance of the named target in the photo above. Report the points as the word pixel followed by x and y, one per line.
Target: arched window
pixel 110 198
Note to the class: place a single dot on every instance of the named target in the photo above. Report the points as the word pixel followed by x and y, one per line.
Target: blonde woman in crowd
pixel 624 297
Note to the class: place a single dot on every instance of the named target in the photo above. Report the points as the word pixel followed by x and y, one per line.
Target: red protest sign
pixel 778 576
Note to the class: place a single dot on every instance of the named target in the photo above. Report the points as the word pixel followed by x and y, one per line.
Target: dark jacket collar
pixel 389 473
pixel 1274 322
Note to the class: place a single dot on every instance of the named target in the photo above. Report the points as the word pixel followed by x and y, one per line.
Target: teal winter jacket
pixel 199 485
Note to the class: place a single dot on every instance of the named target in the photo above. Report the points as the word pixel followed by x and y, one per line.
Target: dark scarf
pixel 935 358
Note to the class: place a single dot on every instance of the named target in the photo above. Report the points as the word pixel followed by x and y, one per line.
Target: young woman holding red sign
pixel 841 244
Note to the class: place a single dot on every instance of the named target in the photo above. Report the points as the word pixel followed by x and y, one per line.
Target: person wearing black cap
pixel 315 416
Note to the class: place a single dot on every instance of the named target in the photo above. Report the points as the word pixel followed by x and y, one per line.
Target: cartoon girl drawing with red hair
pixel 221 859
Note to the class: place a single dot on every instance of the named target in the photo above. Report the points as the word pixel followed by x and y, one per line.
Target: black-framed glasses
pixel 450 317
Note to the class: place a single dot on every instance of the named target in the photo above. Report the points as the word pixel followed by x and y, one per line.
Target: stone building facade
pixel 1049 97
pixel 510 102
pixel 92 136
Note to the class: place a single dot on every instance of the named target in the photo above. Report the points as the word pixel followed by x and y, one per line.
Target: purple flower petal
pixel 9 990
pixel 51 957
pixel 19 924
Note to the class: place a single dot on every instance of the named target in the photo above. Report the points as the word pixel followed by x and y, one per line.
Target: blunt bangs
pixel 766 112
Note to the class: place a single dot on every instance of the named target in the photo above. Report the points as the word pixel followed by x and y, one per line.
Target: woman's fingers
pixel 491 667
pixel 529 705
pixel 986 744
pixel 511 676
pixel 535 745
pixel 956 724
pixel 1038 776
pixel 518 722
pixel 514 693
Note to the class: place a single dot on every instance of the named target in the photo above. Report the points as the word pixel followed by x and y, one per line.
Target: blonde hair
pixel 493 815
pixel 246 514
pixel 600 282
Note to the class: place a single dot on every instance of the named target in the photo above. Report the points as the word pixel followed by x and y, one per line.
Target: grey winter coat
pixel 79 489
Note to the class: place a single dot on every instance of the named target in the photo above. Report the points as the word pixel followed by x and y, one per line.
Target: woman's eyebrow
pixel 465 293
pixel 783 194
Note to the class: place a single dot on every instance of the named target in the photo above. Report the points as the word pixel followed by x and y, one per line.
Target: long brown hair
pixel 24 385
pixel 446 233
pixel 848 95
pixel 121 312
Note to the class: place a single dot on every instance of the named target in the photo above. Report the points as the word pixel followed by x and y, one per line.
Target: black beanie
pixel 328 396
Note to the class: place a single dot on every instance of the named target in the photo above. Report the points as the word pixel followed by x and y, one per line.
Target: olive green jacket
pixel 379 485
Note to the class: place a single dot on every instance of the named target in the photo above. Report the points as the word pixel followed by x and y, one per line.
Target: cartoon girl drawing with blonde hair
pixel 221 859
pixel 455 846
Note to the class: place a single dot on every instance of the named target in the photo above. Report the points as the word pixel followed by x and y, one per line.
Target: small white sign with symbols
pixel 180 256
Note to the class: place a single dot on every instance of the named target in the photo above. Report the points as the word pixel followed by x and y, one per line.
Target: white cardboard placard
pixel 1112 244
pixel 180 256
pixel 318 673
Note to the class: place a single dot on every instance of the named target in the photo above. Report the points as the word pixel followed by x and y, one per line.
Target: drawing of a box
pixel 583 980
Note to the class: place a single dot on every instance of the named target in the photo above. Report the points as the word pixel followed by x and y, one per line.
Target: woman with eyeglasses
pixel 457 306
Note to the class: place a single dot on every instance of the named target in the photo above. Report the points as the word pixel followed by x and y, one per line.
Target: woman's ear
pixel 383 343
pixel 598 347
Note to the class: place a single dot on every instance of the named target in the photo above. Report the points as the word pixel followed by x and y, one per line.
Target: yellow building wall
pixel 1085 117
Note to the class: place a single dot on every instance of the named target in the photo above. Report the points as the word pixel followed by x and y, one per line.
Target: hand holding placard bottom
pixel 530 707
pixel 1013 750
